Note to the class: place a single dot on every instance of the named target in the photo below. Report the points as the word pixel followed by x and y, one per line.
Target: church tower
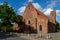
pixel 53 16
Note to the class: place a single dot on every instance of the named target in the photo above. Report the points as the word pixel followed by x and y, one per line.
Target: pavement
pixel 10 36
pixel 21 36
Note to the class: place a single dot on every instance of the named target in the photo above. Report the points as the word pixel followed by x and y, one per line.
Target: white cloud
pixel 37 6
pixel 49 8
pixel 58 12
pixel 47 11
pixel 30 0
pixel 21 10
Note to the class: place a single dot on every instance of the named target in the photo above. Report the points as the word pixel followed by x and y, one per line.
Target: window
pixel 28 22
pixel 40 27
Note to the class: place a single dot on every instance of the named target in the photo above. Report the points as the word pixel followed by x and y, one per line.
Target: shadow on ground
pixel 7 35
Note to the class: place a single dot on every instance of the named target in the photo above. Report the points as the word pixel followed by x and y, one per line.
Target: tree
pixel 7 16
pixel 58 26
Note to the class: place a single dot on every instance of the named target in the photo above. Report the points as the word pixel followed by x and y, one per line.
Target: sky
pixel 44 6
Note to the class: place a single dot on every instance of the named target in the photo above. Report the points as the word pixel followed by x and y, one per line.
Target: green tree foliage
pixel 58 26
pixel 7 16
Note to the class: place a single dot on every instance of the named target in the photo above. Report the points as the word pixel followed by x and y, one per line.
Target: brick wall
pixel 15 26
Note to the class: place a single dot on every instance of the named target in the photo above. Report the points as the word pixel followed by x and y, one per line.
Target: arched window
pixel 40 27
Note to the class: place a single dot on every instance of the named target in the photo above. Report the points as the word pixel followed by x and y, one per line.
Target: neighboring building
pixel 36 21
pixel 15 26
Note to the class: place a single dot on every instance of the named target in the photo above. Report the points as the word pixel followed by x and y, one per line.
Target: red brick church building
pixel 35 21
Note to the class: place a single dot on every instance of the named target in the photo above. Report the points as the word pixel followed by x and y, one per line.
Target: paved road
pixel 20 36
pixel 8 36
pixel 13 38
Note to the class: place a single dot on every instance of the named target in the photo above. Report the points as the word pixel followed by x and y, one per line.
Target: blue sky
pixel 44 6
